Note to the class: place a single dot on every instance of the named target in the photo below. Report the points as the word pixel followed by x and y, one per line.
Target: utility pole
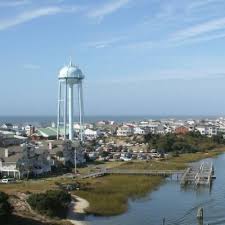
pixel 75 161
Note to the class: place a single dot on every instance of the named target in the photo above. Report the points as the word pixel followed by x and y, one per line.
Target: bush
pixel 5 208
pixel 53 203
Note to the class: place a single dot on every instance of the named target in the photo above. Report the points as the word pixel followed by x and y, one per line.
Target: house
pixel 208 130
pixel 140 131
pixel 70 150
pixel 29 129
pixel 21 162
pixel 125 130
pixel 9 139
pixel 91 134
pixel 181 130
pixel 7 126
pixel 160 129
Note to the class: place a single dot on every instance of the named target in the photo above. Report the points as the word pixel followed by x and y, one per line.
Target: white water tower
pixel 70 77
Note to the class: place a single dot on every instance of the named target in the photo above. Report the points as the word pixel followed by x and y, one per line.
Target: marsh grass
pixel 109 195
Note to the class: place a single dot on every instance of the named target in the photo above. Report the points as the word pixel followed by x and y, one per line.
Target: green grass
pixel 109 195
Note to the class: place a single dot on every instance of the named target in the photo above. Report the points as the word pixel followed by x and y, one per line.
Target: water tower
pixel 70 78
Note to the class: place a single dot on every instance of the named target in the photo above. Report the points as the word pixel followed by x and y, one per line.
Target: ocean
pixel 47 120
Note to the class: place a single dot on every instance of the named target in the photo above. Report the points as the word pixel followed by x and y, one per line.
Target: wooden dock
pixel 202 175
pixel 164 173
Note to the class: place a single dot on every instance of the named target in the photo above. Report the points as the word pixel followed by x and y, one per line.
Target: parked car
pixel 8 180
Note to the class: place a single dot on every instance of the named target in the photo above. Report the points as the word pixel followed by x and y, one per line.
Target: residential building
pixel 125 130
pixel 181 130
pixel 91 134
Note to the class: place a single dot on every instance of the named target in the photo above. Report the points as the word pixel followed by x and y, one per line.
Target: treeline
pixel 188 143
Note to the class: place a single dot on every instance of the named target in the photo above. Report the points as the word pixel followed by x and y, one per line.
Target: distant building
pixel 125 130
pixel 181 130
pixel 10 139
pixel 30 129
pixel 140 131
pixel 91 134
pixel 7 126
pixel 20 162
pixel 160 129
pixel 47 133
pixel 208 130
pixel 69 154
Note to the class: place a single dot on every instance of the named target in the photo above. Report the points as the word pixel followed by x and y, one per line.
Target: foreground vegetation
pixel 52 203
pixel 5 207
pixel 7 216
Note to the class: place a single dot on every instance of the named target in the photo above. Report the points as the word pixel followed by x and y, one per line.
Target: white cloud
pixel 202 3
pixel 33 14
pixel 200 29
pixel 105 43
pixel 107 9
pixel 31 66
pixel 15 3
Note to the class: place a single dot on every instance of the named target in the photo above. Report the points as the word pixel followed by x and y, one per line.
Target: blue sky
pixel 148 57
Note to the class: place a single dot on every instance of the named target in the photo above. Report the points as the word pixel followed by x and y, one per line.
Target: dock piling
pixel 200 215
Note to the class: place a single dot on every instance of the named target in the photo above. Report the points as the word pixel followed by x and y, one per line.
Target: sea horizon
pixel 47 119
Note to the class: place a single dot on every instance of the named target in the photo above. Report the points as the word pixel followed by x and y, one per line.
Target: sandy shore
pixel 77 211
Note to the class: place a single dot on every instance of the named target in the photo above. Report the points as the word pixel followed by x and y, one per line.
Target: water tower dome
pixel 71 73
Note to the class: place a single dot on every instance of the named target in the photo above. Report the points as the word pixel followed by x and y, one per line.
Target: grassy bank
pixel 109 195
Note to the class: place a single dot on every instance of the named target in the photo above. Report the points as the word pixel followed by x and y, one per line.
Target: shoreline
pixel 77 212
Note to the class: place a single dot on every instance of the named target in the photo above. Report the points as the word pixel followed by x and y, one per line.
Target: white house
pixel 7 126
pixel 138 130
pixel 91 134
pixel 125 130
pixel 206 130
pixel 29 129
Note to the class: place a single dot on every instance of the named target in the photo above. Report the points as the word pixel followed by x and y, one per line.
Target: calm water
pixel 177 205
pixel 43 120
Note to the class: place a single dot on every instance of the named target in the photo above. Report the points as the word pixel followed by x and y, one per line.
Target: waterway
pixel 178 205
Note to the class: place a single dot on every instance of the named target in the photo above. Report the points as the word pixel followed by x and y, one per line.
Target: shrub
pixel 53 203
pixel 5 208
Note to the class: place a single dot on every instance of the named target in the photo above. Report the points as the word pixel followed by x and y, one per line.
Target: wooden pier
pixel 202 175
pixel 164 173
